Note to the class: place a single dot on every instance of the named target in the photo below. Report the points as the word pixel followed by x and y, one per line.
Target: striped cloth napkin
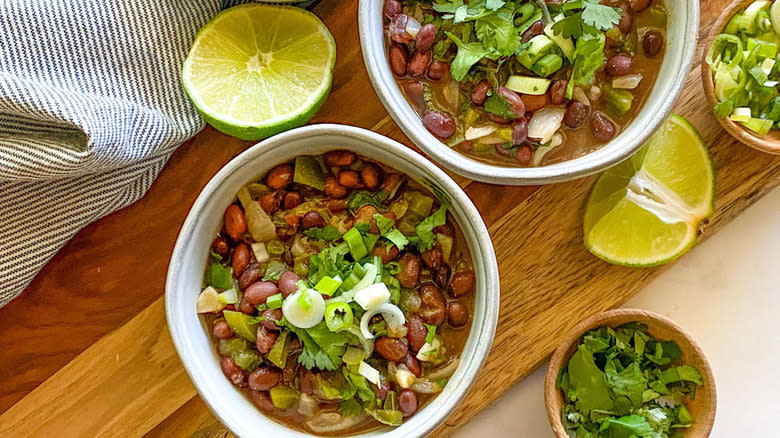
pixel 91 108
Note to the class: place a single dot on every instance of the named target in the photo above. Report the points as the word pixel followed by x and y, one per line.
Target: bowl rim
pixel 561 355
pixel 386 88
pixel 483 335
pixel 769 143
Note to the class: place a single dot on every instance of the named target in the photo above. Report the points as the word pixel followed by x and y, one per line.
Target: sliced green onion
pixel 338 316
pixel 725 48
pixel 548 65
pixel 759 126
pixel 528 84
pixel 431 333
pixel 304 301
pixel 229 296
pixel 356 245
pixel 275 301
pixel 328 286
pixel 275 247
pixel 741 114
pixel 353 356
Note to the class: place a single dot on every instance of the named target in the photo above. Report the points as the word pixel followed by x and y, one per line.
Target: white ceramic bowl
pixel 682 34
pixel 185 273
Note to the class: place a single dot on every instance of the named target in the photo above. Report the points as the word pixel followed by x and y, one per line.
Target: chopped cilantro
pixel 431 333
pixel 425 236
pixel 498 105
pixel 468 55
pixel 322 348
pixel 588 57
pixel 327 232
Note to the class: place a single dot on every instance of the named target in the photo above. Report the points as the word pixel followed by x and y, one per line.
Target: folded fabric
pixel 91 108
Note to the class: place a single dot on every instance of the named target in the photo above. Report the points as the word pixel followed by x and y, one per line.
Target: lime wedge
pixel 646 211
pixel 256 70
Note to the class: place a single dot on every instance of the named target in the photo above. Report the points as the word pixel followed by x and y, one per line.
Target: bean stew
pixel 339 293
pixel 525 83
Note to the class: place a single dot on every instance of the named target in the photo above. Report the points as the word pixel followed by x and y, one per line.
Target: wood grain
pixel 110 277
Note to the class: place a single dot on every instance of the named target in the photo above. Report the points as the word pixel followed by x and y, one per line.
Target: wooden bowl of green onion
pixel 740 71
pixel 629 372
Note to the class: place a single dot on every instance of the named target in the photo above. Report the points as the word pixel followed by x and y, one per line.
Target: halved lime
pixel 646 211
pixel 256 70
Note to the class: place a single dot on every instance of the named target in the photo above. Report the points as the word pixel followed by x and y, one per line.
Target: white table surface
pixel 726 293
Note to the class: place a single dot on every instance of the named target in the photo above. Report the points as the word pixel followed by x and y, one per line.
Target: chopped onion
pixel 208 301
pixel 545 123
pixel 369 372
pixel 413 27
pixel 444 372
pixel 298 247
pixel 451 93
pixel 426 386
pixel 405 378
pixel 392 314
pixel 373 296
pixel 330 422
pixel 595 92
pixel 307 405
pixel 368 345
pixel 579 95
pixel 429 351
pixel 475 132
pixel 300 317
pixel 539 154
pixel 260 251
pixel 627 82
pixel 229 296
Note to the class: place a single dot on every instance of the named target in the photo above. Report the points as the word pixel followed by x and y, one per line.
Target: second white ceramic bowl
pixel 682 34
pixel 185 274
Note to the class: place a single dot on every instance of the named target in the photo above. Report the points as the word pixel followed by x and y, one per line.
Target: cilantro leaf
pixel 494 5
pixel 360 383
pixel 587 384
pixel 350 408
pixel 361 198
pixel 629 383
pixel 468 55
pixel 388 230
pixel 322 348
pixel 425 228
pixel 588 58
pixel 497 31
pixel 602 17
pixel 327 232
pixel 497 104
pixel 630 426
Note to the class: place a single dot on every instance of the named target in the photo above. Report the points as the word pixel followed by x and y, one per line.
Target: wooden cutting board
pixel 85 349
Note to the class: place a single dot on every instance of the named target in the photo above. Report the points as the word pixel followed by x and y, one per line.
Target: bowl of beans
pixel 528 92
pixel 331 281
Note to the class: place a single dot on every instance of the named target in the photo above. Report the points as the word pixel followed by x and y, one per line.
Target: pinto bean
pixel 258 292
pixel 262 400
pixel 236 375
pixel 558 91
pixel 437 70
pixel 265 339
pixel 334 189
pixel 382 388
pixel 246 307
pixel 222 330
pixel 419 63
pixel 397 29
pixel 391 8
pixel 220 246
pixel 536 29
pixel 387 255
pixel 391 349
pixel 520 132
pixel 413 364
pixel 619 65
pixel 425 37
pixel 653 42
pixel 241 257
pixel 312 219
pixel 250 275
pixel 288 283
pixel 480 92
pixel 409 270
pixel 399 58
pixel 576 114
pixel 414 92
pixel 271 315
pixel 439 124
pixel 235 221
pixel 307 382
pixel 340 158
pixel 270 202
pixel 350 179
pixel 626 19
pixel 524 155
pixel 365 215
pixel 408 402
pixel 291 200
pixel 264 378
pixel 533 102
pixel 457 315
pixel 462 283
pixel 280 176
pixel 432 258
pixel 371 175
pixel 514 101
pixel 415 333
pixel 602 128
pixel 433 308
pixel 640 5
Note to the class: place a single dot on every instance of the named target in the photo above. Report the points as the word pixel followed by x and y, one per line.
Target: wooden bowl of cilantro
pixel 629 373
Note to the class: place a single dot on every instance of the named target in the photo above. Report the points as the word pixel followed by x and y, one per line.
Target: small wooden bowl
pixel 702 409
pixel 769 143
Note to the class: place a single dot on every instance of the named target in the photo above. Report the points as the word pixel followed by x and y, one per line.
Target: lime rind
pixel 646 211
pixel 256 70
